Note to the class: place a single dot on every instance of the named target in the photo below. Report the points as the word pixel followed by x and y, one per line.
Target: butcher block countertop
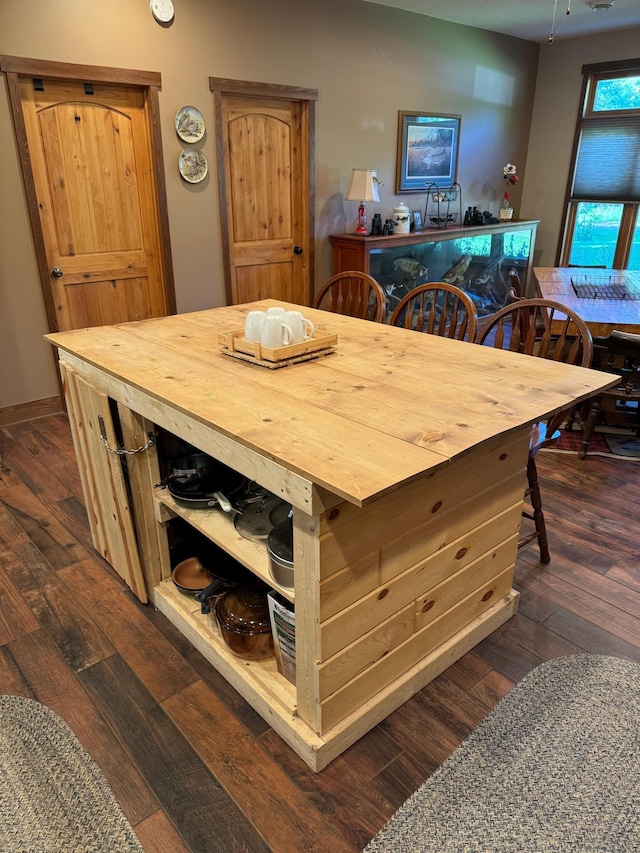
pixel 387 407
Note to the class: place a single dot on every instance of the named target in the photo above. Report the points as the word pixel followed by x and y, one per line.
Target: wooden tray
pixel 233 344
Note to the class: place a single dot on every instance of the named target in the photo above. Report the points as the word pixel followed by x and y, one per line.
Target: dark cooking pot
pixel 198 481
pixel 190 470
pixel 210 494
pixel 280 549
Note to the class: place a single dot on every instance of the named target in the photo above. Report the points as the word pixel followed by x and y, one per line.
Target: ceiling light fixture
pixel 601 5
pixel 552 34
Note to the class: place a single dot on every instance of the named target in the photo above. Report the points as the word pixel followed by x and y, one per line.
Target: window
pixel 602 222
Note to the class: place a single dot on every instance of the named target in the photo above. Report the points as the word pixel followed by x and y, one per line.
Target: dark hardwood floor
pixel 194 767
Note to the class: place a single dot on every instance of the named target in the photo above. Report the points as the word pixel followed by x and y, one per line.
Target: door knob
pixel 56 272
pixel 297 250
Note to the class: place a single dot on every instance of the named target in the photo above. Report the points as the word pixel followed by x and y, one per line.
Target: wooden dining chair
pixel 619 353
pixel 544 329
pixel 437 308
pixel 353 293
pixel 515 286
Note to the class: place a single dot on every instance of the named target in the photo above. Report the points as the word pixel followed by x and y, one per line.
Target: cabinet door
pixel 103 480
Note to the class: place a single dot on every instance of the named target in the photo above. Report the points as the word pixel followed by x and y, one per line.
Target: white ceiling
pixel 527 19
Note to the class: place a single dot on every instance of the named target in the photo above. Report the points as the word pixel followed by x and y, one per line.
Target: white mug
pixel 276 311
pixel 275 333
pixel 253 326
pixel 302 329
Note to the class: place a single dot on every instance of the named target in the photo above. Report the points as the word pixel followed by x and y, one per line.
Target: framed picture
pixel 427 151
pixel 417 220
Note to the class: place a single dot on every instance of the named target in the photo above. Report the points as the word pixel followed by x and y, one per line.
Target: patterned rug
pixel 555 767
pixel 621 445
pixel 53 796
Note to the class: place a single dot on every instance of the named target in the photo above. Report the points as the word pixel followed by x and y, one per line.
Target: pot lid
pixel 255 522
pixel 279 513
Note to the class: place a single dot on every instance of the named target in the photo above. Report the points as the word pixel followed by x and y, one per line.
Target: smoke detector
pixel 601 5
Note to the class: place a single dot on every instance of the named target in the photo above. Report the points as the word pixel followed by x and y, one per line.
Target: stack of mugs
pixel 277 327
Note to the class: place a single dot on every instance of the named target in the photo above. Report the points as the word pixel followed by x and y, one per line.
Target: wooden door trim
pixel 69 71
pixel 16 67
pixel 221 86
pixel 157 158
pixel 15 100
pixel 222 195
pixel 261 90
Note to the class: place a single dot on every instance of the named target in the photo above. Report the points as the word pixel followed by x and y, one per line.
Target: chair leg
pixel 590 426
pixel 571 419
pixel 538 515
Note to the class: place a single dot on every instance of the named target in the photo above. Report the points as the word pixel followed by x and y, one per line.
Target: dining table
pixel 606 299
pixel 403 457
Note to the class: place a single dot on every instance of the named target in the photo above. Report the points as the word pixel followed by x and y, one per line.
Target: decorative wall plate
pixel 162 10
pixel 193 165
pixel 189 124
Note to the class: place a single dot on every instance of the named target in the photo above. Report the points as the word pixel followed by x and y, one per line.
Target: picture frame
pixel 427 150
pixel 417 220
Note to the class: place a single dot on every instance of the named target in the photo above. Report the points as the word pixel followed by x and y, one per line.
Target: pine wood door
pixel 96 209
pixel 265 175
pixel 103 483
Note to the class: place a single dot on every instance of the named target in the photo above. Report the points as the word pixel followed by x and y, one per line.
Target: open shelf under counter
pixel 203 631
pixel 259 682
pixel 218 527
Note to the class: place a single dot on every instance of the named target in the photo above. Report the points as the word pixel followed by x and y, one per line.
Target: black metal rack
pixel 443 208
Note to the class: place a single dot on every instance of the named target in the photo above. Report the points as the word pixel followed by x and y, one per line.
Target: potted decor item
pixel 509 174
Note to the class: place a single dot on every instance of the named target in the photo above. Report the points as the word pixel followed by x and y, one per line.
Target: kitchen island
pixel 403 456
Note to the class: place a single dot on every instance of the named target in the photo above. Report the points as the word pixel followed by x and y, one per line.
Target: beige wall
pixel 367 62
pixel 553 126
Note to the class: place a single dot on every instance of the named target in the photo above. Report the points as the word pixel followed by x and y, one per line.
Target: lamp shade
pixel 363 186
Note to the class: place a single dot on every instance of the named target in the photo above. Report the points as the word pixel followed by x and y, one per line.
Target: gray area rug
pixel 53 796
pixel 554 767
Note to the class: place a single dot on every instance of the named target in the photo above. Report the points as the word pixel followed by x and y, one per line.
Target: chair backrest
pixel 515 287
pixel 620 353
pixel 353 293
pixel 541 328
pixel 437 308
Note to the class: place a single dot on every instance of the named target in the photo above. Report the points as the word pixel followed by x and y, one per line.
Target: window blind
pixel 608 160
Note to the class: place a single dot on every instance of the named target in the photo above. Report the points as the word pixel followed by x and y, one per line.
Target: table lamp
pixel 363 187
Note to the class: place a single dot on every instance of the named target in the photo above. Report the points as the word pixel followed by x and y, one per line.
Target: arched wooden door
pixel 89 141
pixel 265 177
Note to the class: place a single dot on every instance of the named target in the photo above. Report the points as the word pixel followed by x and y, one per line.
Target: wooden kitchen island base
pixel 274 698
pixel 406 503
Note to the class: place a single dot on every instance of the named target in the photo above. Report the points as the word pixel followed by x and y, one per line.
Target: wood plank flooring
pixel 195 768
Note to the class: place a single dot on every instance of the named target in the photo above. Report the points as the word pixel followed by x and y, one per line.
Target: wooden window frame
pixel 593 74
